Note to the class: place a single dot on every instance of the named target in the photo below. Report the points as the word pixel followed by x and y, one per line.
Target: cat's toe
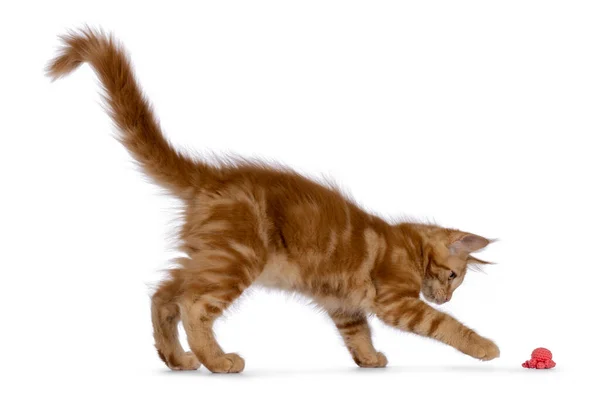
pixel 183 362
pixel 229 363
pixel 189 361
pixel 482 348
pixel 377 360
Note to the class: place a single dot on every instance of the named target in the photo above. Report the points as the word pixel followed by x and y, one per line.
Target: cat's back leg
pixel 165 321
pixel 228 245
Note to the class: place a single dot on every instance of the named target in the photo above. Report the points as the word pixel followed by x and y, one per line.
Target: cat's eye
pixel 452 276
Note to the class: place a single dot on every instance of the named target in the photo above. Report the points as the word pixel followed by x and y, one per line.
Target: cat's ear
pixel 463 244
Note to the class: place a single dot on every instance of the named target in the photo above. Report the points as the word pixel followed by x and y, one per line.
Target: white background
pixel 480 115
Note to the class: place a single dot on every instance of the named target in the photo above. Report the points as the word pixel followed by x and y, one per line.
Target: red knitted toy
pixel 541 359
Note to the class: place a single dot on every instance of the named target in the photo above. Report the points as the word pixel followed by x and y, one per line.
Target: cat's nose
pixel 448 297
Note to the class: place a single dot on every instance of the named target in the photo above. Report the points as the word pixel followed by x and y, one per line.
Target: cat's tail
pixel 139 130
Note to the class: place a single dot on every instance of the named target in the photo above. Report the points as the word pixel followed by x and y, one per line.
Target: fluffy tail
pixel 139 130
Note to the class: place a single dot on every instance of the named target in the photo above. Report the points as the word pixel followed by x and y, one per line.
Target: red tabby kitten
pixel 249 224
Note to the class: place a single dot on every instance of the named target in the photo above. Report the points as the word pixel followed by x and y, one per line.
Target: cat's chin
pixel 433 300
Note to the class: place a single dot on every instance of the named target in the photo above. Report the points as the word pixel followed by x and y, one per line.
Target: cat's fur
pixel 252 224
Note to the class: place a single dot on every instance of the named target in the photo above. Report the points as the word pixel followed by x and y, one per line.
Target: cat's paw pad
pixel 226 364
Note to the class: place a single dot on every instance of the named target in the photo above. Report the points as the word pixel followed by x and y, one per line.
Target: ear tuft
pixel 475 264
pixel 477 261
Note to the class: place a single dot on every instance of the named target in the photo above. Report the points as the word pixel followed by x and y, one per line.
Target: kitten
pixel 249 224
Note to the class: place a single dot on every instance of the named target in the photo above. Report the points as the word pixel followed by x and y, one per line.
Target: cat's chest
pixel 281 273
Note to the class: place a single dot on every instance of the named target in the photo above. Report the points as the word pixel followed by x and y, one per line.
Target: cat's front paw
pixel 377 360
pixel 482 348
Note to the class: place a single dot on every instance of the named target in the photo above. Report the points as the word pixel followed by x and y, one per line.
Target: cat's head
pixel 446 257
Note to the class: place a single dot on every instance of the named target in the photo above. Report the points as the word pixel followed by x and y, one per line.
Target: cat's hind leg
pixel 226 237
pixel 165 319
pixel 215 279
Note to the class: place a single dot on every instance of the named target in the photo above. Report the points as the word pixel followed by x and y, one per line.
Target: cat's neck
pixel 406 246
